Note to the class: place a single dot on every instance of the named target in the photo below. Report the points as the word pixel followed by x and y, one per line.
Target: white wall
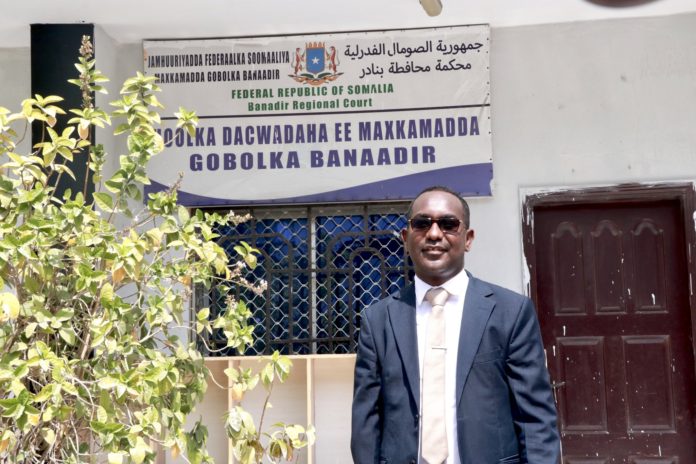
pixel 15 84
pixel 583 104
pixel 107 54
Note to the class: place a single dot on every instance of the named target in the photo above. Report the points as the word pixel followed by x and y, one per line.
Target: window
pixel 323 266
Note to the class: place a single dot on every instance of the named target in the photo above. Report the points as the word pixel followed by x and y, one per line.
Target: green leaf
pixel 69 388
pixel 283 367
pixel 9 306
pixel 203 314
pixel 184 215
pixel 45 393
pixel 106 296
pixel 48 435
pixel 107 383
pixel 51 99
pixel 138 452
pixel 104 201
pixel 68 334
pixel 21 371
pixel 102 415
pixel 267 375
pixel 155 235
pixel 114 184
pixel 251 260
pixel 111 427
pixel 16 158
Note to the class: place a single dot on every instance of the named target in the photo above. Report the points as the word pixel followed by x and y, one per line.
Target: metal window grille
pixel 323 266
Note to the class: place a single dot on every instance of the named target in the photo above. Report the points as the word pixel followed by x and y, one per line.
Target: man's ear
pixel 469 239
pixel 404 237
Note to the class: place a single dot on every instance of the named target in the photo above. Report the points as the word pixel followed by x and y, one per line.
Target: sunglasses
pixel 446 224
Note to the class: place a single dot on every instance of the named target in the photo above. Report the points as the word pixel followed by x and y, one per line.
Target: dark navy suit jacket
pixel 505 408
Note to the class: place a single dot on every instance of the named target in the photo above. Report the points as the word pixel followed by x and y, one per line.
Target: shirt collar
pixel 455 286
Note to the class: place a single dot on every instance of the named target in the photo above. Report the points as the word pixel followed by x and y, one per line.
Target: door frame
pixel 683 192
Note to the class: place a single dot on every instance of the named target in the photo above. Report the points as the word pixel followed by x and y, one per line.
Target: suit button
pixel 413 461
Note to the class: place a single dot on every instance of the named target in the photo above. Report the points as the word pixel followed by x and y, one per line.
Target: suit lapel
pixel 402 315
pixel 477 310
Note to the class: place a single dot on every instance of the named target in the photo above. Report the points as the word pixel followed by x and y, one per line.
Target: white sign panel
pixel 325 117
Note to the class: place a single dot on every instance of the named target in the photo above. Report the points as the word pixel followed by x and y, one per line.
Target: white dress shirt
pixel 454 307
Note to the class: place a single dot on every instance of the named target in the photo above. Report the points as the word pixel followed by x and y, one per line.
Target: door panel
pixel 612 289
pixel 583 401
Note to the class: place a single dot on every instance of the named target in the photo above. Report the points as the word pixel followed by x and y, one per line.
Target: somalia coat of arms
pixel 316 64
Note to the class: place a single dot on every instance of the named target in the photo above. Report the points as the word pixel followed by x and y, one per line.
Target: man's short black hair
pixel 442 188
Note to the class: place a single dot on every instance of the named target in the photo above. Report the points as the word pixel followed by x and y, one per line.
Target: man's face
pixel 437 255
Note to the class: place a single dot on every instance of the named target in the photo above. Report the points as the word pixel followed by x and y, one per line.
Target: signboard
pixel 325 117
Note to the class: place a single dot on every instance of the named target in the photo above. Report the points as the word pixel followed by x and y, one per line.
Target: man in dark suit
pixel 497 401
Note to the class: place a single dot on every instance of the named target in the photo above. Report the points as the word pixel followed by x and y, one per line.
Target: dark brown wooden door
pixel 612 289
